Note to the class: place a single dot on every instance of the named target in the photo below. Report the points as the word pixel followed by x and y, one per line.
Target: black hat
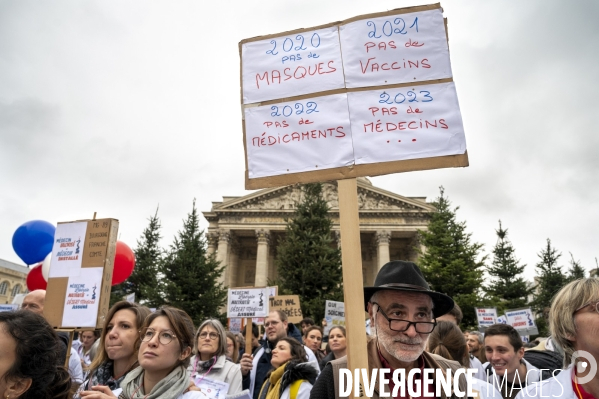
pixel 399 275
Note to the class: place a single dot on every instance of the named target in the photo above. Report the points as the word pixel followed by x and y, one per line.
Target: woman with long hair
pixel 313 340
pixel 337 343
pixel 232 347
pixel 210 362
pixel 166 345
pixel 30 364
pixel 292 377
pixel 117 351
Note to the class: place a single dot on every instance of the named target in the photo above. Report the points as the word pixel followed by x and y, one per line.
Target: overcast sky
pixel 117 107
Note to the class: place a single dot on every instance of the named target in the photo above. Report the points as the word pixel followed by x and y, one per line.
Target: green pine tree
pixel 191 276
pixel 549 280
pixel 576 271
pixel 452 263
pixel 148 256
pixel 308 263
pixel 507 286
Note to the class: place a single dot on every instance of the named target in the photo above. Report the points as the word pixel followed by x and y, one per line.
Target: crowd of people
pixel 140 354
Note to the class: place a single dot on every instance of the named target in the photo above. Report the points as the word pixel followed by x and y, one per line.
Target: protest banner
pixel 80 276
pixel 522 320
pixel 501 320
pixel 486 317
pixel 8 308
pixel 334 314
pixel 288 304
pixel 306 116
pixel 248 303
pixel 388 105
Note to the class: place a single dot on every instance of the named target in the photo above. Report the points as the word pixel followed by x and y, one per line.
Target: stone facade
pixel 244 231
pixel 12 280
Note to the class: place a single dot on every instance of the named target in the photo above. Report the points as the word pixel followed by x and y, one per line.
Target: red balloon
pixel 35 279
pixel 124 262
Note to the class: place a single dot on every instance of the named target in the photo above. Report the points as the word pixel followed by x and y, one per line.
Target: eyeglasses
pixel 399 325
pixel 165 337
pixel 595 304
pixel 211 334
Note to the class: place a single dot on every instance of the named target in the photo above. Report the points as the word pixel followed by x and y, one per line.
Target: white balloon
pixel 46 266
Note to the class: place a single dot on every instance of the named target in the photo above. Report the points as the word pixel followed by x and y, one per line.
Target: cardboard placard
pixel 247 302
pixel 318 130
pixel 288 304
pixel 486 317
pixel 80 277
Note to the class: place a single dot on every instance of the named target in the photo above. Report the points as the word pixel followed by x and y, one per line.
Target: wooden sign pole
pixel 248 336
pixel 353 285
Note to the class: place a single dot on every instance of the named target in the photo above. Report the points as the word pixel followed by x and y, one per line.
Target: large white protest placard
pixel 399 123
pixel 334 314
pixel 486 317
pixel 290 65
pixel 69 241
pixel 522 320
pixel 82 298
pixel 396 61
pixel 395 49
pixel 247 302
pixel 298 136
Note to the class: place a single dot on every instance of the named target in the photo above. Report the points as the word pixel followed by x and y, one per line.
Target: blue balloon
pixel 33 240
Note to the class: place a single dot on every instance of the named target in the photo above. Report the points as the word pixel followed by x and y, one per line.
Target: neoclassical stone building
pixel 244 231
pixel 12 280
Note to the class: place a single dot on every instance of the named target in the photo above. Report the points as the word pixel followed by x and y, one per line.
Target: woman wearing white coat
pixel 574 324
pixel 292 377
pixel 209 362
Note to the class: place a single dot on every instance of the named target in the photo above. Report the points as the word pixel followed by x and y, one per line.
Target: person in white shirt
pixel 574 325
pixel 506 369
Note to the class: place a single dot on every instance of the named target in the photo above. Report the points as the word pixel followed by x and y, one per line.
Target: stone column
pixel 337 234
pixel 222 254
pixel 382 237
pixel 234 251
pixel 263 238
pixel 212 239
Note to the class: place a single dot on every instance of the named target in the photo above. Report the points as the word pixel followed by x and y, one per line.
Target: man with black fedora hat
pixel 402 310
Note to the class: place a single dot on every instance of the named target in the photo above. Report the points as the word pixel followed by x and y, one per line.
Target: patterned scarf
pixel 103 376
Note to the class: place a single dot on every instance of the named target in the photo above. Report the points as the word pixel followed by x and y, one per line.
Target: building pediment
pixel 370 198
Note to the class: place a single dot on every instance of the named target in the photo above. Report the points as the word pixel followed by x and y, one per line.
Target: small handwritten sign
pixel 288 304
pixel 486 317
pixel 298 136
pixel 291 65
pixel 334 314
pixel 522 320
pixel 247 302
pixel 395 49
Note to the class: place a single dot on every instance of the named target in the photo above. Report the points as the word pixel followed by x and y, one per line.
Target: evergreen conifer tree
pixel 451 262
pixel 308 263
pixel 507 284
pixel 576 271
pixel 549 280
pixel 191 276
pixel 148 256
